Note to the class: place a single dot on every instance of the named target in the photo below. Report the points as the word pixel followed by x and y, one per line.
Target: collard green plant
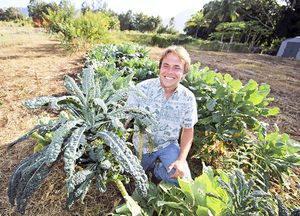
pixel 88 136
pixel 201 196
pixel 277 153
pixel 131 58
pixel 227 109
pixel 226 106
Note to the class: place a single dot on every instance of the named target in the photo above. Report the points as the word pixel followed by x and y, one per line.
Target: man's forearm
pixel 185 142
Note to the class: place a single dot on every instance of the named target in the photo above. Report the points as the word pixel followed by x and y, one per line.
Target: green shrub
pixel 165 40
pixel 91 26
pixel 79 32
pixel 201 196
pixel 227 109
pixel 228 193
pixel 271 49
pixel 208 45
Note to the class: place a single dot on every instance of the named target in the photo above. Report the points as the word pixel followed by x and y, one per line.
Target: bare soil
pixel 37 67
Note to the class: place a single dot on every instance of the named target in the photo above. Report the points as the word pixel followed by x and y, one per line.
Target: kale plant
pixel 88 136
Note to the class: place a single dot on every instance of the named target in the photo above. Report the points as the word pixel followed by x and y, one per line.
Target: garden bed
pixel 36 68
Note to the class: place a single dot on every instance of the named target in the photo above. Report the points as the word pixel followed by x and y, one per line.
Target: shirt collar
pixel 160 89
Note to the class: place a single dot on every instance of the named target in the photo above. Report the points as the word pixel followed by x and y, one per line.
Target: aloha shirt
pixel 179 111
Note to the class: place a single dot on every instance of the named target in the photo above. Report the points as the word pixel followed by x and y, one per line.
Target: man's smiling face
pixel 171 71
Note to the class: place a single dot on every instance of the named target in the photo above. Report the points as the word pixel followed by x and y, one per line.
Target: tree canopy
pixel 10 14
pixel 139 22
pixel 254 22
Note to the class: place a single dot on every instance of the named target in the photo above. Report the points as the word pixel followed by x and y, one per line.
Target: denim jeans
pixel 166 157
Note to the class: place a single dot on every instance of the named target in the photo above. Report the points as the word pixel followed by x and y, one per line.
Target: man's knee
pixel 162 174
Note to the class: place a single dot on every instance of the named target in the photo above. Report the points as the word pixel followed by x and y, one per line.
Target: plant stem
pixel 121 188
pixel 141 146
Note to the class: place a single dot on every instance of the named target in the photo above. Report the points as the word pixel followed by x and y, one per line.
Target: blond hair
pixel 181 53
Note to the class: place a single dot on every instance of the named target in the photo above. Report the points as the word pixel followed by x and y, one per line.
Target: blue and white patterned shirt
pixel 179 111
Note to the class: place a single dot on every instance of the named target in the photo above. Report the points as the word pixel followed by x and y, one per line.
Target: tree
pixel 289 23
pixel 95 6
pixel 10 14
pixel 171 24
pixel 85 7
pixel 264 20
pixel 144 23
pixel 197 26
pixel 139 22
pixel 265 12
pixel 126 21
pixel 114 23
pixel 169 28
pixel 2 14
pixel 36 8
pixel 293 4
pixel 213 13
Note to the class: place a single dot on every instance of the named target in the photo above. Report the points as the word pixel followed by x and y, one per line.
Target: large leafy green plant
pixel 245 197
pixel 226 106
pixel 227 109
pixel 129 57
pixel 268 157
pixel 88 136
pixel 201 196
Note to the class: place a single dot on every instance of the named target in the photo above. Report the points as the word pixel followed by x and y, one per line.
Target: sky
pixel 164 8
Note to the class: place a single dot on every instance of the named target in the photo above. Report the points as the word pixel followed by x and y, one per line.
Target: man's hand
pixel 179 166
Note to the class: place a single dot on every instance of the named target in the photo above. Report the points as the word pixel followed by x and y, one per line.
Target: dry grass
pixel 15 35
pixel 31 65
pixel 49 200
pixel 28 70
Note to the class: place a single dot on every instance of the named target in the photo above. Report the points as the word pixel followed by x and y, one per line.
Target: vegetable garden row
pixel 240 163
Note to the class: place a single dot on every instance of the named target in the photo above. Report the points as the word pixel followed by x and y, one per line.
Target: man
pixel 174 108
